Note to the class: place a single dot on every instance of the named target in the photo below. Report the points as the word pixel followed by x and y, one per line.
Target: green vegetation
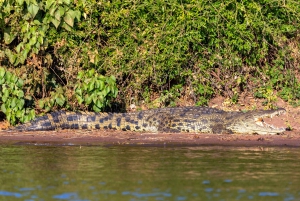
pixel 12 98
pixel 68 52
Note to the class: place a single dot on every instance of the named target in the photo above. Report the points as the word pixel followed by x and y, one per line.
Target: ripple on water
pixel 271 194
pixel 69 196
pixel 11 194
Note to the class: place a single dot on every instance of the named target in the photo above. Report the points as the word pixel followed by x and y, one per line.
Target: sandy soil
pixel 102 137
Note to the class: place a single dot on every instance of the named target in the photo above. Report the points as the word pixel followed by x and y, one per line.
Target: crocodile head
pixel 252 122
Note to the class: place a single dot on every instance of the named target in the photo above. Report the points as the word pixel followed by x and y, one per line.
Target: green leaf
pixel 41 38
pixel 20 2
pixel 84 86
pixel 88 99
pixel 3 108
pixel 32 40
pixel 94 97
pixel 31 114
pixel 99 103
pixel 80 75
pixel 67 27
pixel 49 3
pixel 8 115
pixel 91 85
pixel 20 113
pixel 2 72
pixel 13 102
pixel 102 85
pixel 67 2
pixel 47 109
pixel 18 48
pixel 8 37
pixel 20 94
pixel 55 22
pixel 106 91
pixel 79 99
pixel 77 14
pixel 97 84
pixel 60 100
pixel 41 103
pixel 11 56
pixel 59 12
pixel 78 91
pixel 8 76
pixel 36 22
pixel 69 17
pixel 113 78
pixel 57 15
pixel 51 101
pixel 13 79
pixel 33 9
pixel 12 119
pixel 91 73
pixel 96 109
pixel 20 103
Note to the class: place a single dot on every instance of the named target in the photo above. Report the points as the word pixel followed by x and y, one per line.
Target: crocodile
pixel 177 119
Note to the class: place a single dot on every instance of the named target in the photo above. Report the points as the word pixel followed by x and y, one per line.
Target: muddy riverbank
pixel 289 120
pixel 102 137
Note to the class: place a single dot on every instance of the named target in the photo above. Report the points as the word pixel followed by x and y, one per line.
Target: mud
pixel 102 137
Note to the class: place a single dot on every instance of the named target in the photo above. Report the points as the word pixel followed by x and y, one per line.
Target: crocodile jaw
pixel 253 123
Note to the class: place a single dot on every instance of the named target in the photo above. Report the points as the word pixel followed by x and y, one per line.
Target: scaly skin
pixel 180 119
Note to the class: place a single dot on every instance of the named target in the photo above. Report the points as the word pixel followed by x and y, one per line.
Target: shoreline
pixel 125 138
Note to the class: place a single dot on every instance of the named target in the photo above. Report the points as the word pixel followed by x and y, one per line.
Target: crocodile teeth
pixel 261 122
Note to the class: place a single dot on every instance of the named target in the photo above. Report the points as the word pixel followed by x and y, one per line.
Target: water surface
pixel 148 173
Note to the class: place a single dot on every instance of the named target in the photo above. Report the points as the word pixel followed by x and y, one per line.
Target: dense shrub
pixel 13 101
pixel 157 50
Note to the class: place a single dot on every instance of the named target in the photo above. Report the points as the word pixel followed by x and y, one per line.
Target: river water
pixel 80 173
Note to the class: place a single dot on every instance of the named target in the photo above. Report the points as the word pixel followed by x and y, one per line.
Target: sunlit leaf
pixel 69 18
pixel 8 37
pixel 33 9
pixel 96 109
pixel 88 99
pixel 3 108
pixel 2 72
pixel 66 26
pixel 60 100
pixel 20 2
pixel 55 22
pixel 79 99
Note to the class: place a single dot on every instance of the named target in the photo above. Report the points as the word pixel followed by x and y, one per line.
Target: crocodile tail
pixel 42 123
pixel 90 120
pixel 73 120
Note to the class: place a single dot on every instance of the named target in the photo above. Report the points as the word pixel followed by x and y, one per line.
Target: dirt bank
pixel 70 137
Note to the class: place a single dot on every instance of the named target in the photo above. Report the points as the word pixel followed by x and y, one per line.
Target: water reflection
pixel 148 173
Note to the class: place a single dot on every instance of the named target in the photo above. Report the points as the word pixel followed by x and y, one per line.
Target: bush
pixel 158 51
pixel 12 98
pixel 34 33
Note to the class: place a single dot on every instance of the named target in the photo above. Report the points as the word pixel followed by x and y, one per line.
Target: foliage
pixel 29 27
pixel 157 50
pixel 213 47
pixel 95 91
pixel 13 99
pixel 33 31
pixel 91 91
